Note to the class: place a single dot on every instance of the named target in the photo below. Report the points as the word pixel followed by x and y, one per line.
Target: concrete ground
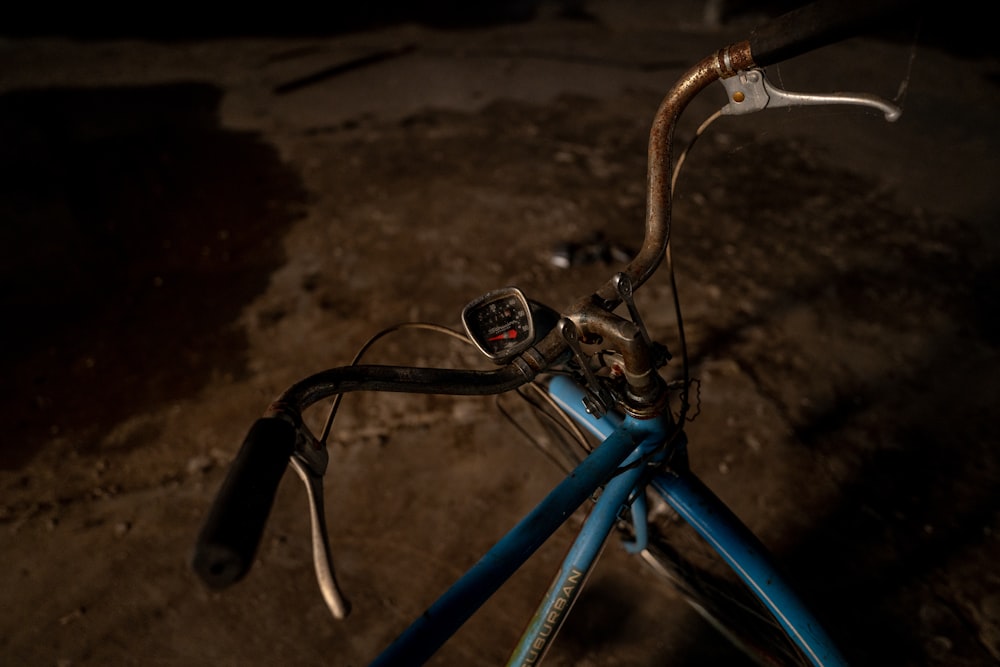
pixel 191 222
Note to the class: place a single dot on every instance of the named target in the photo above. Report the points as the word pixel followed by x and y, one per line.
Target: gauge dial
pixel 500 323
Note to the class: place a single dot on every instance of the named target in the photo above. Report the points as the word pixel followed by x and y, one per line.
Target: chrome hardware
pixel 623 284
pixel 750 91
pixel 658 352
pixel 322 557
pixel 598 400
pixel 310 461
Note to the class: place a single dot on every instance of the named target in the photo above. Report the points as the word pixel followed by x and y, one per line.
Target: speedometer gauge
pixel 500 323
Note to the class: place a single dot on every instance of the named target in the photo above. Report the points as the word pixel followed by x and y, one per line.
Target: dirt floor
pixel 189 226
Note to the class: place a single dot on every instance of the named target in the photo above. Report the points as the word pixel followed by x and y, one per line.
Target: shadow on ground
pixel 136 229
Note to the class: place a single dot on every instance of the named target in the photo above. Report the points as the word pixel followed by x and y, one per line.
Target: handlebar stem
pixel 646 391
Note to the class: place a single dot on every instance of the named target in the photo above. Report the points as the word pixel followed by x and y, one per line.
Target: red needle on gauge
pixel 506 334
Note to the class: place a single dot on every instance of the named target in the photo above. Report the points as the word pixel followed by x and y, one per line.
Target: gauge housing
pixel 500 323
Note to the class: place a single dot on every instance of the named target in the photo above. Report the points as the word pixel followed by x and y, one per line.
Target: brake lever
pixel 310 460
pixel 750 91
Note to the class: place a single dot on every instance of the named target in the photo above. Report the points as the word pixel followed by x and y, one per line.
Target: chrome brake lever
pixel 310 461
pixel 750 91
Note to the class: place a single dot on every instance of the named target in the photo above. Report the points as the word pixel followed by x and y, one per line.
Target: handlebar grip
pixel 225 548
pixel 815 25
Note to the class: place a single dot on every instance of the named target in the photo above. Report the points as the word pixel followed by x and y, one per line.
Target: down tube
pixel 728 536
pixel 580 558
pixel 429 632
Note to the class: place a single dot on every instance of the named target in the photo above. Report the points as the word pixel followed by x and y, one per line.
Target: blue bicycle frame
pixel 723 531
pixel 625 440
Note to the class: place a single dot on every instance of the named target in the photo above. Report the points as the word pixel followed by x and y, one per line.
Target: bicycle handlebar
pixel 225 548
pixel 231 534
pixel 404 379
pixel 792 34
pixel 816 25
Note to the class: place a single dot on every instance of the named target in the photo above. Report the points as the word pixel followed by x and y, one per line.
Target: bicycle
pixel 597 376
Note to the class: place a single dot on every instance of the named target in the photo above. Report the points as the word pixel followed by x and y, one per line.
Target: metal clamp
pixel 623 285
pixel 750 91
pixel 597 400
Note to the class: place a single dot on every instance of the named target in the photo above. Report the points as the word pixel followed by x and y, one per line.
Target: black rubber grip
pixel 818 24
pixel 229 539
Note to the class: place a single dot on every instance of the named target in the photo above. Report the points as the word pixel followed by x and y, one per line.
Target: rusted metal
pixel 646 393
pixel 645 389
pixel 722 64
